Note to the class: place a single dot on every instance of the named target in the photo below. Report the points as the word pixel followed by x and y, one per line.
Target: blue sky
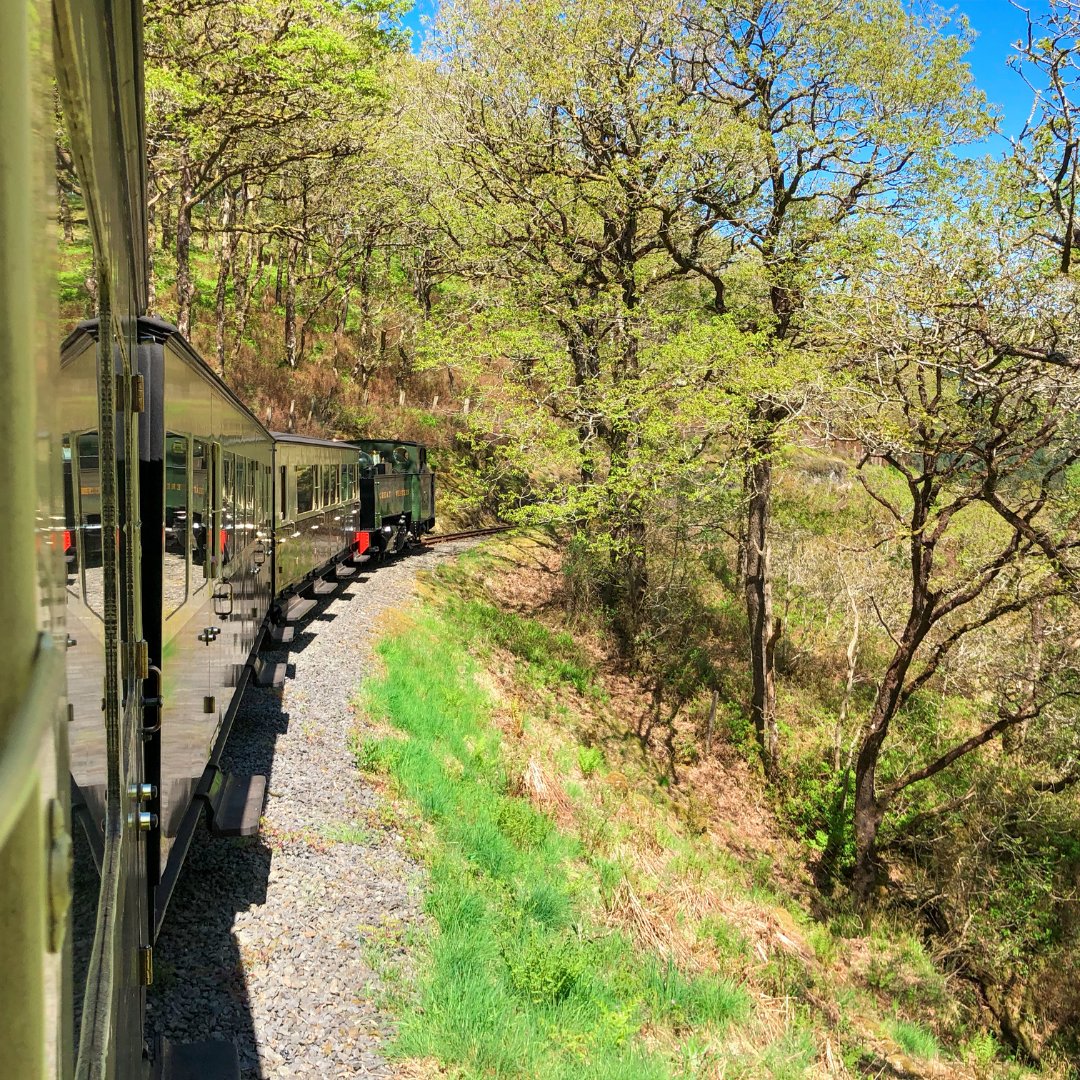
pixel 998 23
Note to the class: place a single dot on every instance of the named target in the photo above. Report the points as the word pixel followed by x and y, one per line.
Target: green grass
pixel 345 832
pixel 548 658
pixel 914 1040
pixel 519 980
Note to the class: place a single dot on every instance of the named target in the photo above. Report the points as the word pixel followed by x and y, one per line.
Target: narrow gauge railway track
pixel 445 538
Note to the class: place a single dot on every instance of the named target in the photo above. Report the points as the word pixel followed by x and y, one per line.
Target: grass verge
pixel 522 979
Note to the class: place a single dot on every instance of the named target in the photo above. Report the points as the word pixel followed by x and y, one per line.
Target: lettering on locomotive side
pixel 398 493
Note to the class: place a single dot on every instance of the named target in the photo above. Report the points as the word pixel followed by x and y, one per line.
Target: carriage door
pixel 219 653
pixel 215 553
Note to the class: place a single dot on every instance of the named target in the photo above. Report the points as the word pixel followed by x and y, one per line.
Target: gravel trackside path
pixel 265 939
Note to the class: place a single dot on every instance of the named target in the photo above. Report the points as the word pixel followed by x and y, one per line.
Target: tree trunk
pixel 185 287
pixel 226 254
pixel 849 686
pixel 341 317
pixel 764 627
pixel 67 221
pixel 586 371
pixel 869 808
pixel 242 304
pixel 290 304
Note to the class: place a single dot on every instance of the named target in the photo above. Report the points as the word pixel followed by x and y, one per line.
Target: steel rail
pixel 445 538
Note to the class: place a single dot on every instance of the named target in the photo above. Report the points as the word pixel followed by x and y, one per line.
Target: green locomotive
pixel 397 495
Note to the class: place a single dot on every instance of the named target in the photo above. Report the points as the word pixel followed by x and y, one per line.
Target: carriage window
pixel 200 488
pixel 329 484
pixel 283 495
pixel 240 512
pixel 305 489
pixel 177 527
pixel 262 498
pixel 254 497
pixel 89 487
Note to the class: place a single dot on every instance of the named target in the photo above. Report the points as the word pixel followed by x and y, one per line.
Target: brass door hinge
pixel 142 660
pixel 146 965
pixel 137 386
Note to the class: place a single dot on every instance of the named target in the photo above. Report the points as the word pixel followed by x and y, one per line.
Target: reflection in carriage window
pixel 228 507
pixel 329 485
pixel 305 490
pixel 200 487
pixel 88 478
pixel 71 557
pixel 177 524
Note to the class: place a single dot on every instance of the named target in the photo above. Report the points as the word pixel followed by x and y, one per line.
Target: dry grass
pixel 546 794
pixel 648 929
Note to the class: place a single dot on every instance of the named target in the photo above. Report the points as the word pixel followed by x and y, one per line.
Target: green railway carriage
pixel 35 1032
pixel 397 494
pixel 316 512
pixel 141 503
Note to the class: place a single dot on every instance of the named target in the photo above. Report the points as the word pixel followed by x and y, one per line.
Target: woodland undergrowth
pixel 594 917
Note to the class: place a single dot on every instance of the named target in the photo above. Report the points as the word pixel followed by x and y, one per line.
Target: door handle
pixel 223 599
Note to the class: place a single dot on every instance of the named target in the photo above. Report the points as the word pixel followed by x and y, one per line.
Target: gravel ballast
pixel 267 940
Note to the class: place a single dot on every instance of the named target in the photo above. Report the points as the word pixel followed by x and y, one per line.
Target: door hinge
pixel 146 965
pixel 137 400
pixel 142 660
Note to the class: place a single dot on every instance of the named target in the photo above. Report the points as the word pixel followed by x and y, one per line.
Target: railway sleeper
pixel 233 803
pixel 297 608
pixel 269 675
pixel 276 636
pixel 322 587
